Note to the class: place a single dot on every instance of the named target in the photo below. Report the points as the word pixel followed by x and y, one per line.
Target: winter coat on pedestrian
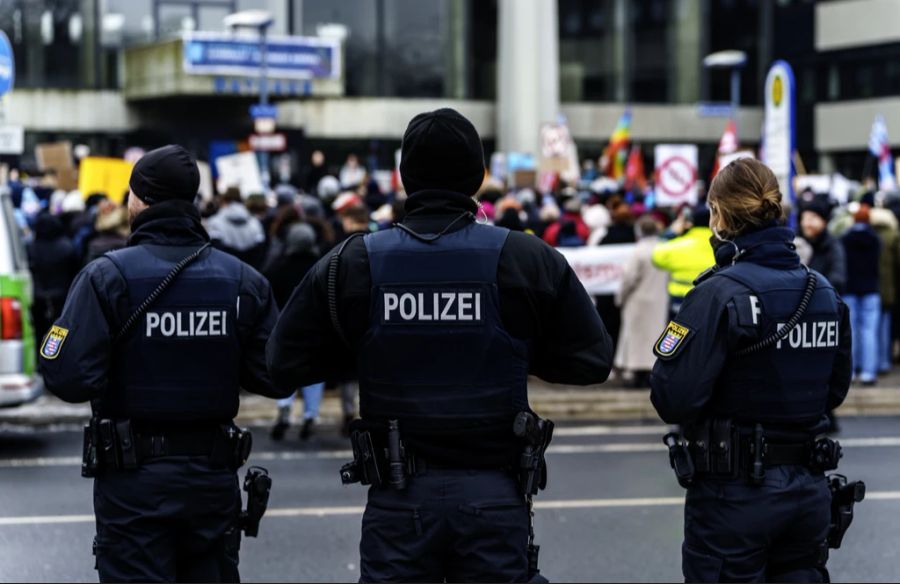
pixel 828 258
pixel 288 270
pixel 234 230
pixel 642 298
pixel 885 225
pixel 863 248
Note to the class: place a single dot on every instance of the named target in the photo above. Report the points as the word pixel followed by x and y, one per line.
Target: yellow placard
pixel 104 175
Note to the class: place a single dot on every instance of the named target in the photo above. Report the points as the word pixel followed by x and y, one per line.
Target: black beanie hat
pixel 442 150
pixel 819 208
pixel 165 174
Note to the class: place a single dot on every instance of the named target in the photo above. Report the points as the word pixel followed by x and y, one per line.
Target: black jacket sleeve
pixel 842 371
pixel 540 291
pixel 683 382
pixel 256 319
pixel 78 370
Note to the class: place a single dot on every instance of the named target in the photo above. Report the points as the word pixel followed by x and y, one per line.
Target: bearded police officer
pixel 160 336
pixel 755 358
pixel 444 319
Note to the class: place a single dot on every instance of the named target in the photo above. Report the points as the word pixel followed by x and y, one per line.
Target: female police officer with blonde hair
pixel 758 354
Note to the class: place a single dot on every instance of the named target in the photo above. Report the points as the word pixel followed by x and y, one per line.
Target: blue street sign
pixel 263 111
pixel 714 109
pixel 207 53
pixel 7 65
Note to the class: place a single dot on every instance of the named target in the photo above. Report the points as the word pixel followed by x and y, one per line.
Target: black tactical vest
pixel 181 362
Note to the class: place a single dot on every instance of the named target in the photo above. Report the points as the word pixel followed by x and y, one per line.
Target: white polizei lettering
pixel 167 324
pixel 200 328
pixel 822 338
pixel 422 314
pixel 391 302
pixel 224 323
pixel 214 324
pixel 449 297
pixel 754 309
pixel 238 308
pixel 779 326
pixel 436 313
pixel 407 306
pixel 465 305
pixel 179 331
pixel 833 328
pixel 796 337
pixel 152 322
pixel 807 341
pixel 478 306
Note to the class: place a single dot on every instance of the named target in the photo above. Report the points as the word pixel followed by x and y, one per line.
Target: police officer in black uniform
pixel 751 401
pixel 162 355
pixel 444 319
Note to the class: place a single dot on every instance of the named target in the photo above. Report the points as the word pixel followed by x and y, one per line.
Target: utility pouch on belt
pixel 90 456
pixel 844 495
pixel 257 485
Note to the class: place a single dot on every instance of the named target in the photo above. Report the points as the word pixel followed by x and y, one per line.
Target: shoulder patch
pixel 671 341
pixel 53 342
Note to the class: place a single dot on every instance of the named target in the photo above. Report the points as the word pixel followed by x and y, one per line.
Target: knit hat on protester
pixel 165 174
pixel 442 150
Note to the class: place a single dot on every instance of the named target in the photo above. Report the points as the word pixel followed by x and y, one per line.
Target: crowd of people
pixel 856 246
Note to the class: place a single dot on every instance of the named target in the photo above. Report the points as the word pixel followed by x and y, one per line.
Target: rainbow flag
pixel 617 151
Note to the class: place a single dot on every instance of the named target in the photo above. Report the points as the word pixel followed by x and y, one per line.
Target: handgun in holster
pixel 536 434
pixel 90 454
pixel 364 467
pixel 257 485
pixel 844 495
pixel 680 458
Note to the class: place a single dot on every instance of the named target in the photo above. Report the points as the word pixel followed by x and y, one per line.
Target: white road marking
pixel 610 430
pixel 614 448
pixel 288 512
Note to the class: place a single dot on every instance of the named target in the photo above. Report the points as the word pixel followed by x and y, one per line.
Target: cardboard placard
pixel 54 155
pixel 104 175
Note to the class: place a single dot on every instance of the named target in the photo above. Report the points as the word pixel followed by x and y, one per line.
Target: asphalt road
pixel 613 511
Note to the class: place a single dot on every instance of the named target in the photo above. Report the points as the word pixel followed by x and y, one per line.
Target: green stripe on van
pixel 19 286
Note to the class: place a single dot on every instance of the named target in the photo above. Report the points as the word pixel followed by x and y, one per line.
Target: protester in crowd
pixel 863 249
pixel 642 298
pixel 284 274
pixel 234 230
pixel 82 229
pixel 316 171
pixel 827 252
pixel 259 207
pixel 569 230
pixel 352 173
pixel 885 225
pixel 54 262
pixel 686 256
pixel 278 230
pixel 112 227
pixel 621 229
pixel 355 219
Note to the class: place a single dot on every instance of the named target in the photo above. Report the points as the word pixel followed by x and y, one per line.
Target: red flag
pixel 635 176
pixel 728 144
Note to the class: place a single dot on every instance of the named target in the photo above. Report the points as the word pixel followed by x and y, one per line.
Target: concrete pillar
pixel 686 28
pixel 527 72
pixel 622 51
pixel 457 70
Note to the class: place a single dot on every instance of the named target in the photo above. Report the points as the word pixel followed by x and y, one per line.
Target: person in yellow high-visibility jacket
pixel 686 256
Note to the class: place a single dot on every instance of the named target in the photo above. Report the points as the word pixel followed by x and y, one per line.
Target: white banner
pixel 778 129
pixel 676 174
pixel 599 268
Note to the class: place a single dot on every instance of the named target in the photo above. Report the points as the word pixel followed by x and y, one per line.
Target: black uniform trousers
pixel 174 519
pixel 735 531
pixel 448 525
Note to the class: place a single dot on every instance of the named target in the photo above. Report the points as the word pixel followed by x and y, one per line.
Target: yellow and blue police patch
pixel 671 341
pixel 53 342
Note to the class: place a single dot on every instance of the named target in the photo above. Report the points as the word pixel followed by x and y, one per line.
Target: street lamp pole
pixel 264 96
pixel 734 61
pixel 259 20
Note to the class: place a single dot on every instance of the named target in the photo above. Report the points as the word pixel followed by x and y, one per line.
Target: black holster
pixel 257 485
pixel 844 495
pixel 391 466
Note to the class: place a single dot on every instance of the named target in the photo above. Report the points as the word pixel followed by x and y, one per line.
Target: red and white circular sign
pixel 677 176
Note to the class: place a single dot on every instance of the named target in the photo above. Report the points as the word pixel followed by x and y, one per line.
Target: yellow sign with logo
pixel 109 176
